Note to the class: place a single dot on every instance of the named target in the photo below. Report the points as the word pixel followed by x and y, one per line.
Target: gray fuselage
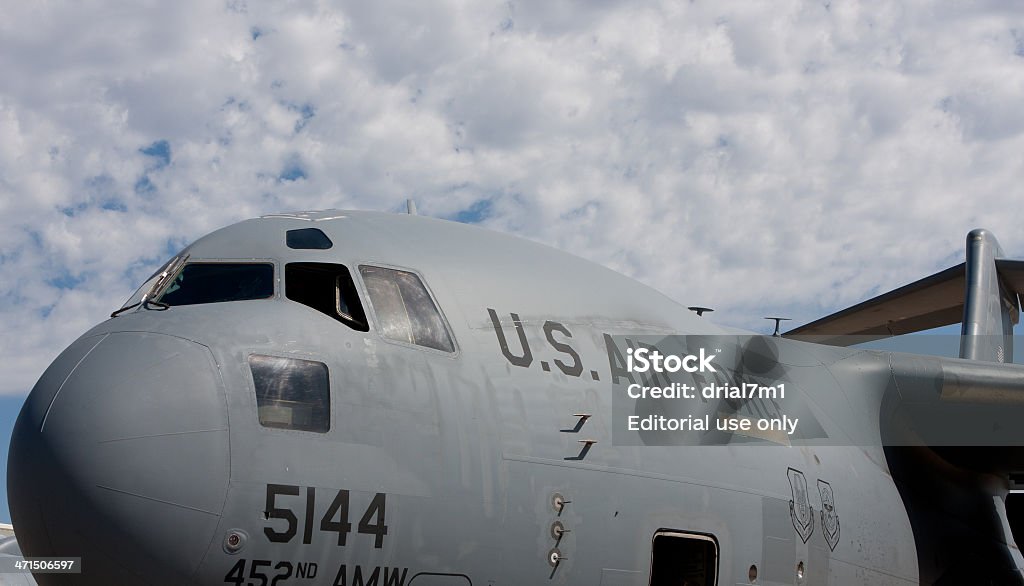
pixel 142 448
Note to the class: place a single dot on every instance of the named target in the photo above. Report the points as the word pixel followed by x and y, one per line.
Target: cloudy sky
pixel 761 158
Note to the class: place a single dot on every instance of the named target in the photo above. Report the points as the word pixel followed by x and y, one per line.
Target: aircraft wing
pixel 931 302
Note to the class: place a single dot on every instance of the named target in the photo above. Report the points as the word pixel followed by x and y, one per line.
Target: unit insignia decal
pixel 800 510
pixel 829 518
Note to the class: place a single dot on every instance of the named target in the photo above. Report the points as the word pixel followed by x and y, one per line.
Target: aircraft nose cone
pixel 120 457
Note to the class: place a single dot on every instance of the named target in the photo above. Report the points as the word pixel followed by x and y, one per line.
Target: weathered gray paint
pixel 152 452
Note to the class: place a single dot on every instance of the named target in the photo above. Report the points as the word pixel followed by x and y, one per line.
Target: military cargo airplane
pixel 367 399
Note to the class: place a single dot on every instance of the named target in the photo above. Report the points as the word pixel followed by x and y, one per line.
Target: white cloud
pixel 755 157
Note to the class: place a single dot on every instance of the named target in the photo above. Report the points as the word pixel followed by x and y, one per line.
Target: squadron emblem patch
pixel 800 510
pixel 829 518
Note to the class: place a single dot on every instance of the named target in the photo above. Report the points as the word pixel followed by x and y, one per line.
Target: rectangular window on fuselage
pixel 404 309
pixel 292 393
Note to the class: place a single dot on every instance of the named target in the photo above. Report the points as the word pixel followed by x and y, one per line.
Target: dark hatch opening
pixel 683 559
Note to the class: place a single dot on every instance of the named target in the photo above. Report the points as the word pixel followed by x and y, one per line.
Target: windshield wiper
pixel 124 309
pixel 162 282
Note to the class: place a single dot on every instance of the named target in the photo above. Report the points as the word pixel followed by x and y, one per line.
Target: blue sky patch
pixel 71 211
pixel 306 113
pixel 102 191
pixel 10 406
pixel 292 172
pixel 172 247
pixel 160 151
pixel 65 280
pixel 144 186
pixel 113 205
pixel 476 213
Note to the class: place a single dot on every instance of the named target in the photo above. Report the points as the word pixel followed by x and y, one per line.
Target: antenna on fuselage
pixel 699 310
pixel 410 207
pixel 778 320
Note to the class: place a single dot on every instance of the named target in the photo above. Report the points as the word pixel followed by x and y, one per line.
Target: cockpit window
pixel 292 393
pixel 404 308
pixel 327 288
pixel 218 282
pixel 307 239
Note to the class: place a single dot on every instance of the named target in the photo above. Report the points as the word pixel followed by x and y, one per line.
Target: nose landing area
pixel 130 467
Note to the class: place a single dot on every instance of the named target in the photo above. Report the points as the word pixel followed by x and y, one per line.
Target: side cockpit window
pixel 292 393
pixel 327 288
pixel 218 282
pixel 404 308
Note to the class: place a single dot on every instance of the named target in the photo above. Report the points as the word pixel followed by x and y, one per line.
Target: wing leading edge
pixel 937 300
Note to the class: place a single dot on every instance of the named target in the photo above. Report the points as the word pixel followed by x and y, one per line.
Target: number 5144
pixel 335 519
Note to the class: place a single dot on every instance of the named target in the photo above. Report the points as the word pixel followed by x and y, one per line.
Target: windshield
pixel 217 282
